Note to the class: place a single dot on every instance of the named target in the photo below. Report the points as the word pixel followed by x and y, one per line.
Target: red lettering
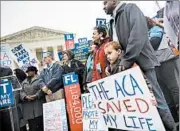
pixel 109 107
pixel 104 111
pixel 119 106
pixel 138 100
pixel 128 106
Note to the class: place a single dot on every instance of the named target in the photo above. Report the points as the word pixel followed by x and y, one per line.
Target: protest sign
pixel 92 121
pixel 81 49
pixel 74 107
pixel 69 41
pixel 54 114
pixel 124 101
pixel 100 22
pixel 5 56
pixel 24 57
pixel 6 94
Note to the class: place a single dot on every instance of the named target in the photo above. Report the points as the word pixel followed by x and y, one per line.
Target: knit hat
pixel 31 68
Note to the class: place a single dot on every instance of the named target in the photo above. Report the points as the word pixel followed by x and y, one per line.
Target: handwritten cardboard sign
pixel 5 56
pixel 124 101
pixel 24 57
pixel 74 107
pixel 54 114
pixel 91 118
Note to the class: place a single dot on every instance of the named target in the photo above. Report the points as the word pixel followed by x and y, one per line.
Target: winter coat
pixel 132 33
pixel 52 77
pixel 32 109
pixel 77 67
pixel 100 58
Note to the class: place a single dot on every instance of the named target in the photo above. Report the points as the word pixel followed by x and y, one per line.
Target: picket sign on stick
pixel 92 121
pixel 74 107
pixel 54 114
pixel 24 57
pixel 124 101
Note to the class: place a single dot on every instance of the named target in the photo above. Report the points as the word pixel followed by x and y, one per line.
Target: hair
pixel 20 74
pixel 101 29
pixel 114 44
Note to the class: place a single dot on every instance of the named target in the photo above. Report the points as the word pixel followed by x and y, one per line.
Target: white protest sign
pixel 24 57
pixel 124 101
pixel 91 118
pixel 5 56
pixel 54 114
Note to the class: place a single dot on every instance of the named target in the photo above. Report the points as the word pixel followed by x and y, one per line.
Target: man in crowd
pixel 51 78
pixel 129 27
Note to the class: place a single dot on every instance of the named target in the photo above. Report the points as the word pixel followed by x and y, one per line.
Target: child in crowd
pixel 113 52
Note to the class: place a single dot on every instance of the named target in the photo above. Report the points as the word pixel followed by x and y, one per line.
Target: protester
pixel 155 33
pixel 51 78
pixel 89 66
pixel 21 76
pixel 73 65
pixel 131 30
pixel 33 99
pixel 168 72
pixel 100 39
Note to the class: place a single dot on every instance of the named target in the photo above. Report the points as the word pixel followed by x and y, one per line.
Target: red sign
pixel 74 106
pixel 69 44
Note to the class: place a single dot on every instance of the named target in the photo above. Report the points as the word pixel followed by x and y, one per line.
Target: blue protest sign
pixel 81 49
pixel 6 94
pixel 60 55
pixel 100 21
pixel 70 78
pixel 68 37
pixel 83 40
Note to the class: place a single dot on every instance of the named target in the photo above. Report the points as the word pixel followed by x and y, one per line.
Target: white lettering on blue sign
pixel 4 87
pixel 100 22
pixel 70 78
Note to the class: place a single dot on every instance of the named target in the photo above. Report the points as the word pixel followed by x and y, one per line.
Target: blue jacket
pixel 155 31
pixel 52 77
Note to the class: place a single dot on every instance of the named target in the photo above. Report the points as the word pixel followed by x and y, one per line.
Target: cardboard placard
pixel 124 101
pixel 54 114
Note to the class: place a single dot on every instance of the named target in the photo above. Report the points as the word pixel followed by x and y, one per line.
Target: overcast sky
pixel 73 16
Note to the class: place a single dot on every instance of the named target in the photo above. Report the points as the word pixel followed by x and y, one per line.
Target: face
pixel 112 54
pixel 109 6
pixel 96 36
pixel 31 73
pixel 93 47
pixel 65 57
pixel 47 59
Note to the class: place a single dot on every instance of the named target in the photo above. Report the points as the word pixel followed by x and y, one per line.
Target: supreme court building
pixel 38 40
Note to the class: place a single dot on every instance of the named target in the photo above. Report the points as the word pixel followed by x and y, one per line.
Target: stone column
pixel 55 53
pixel 34 52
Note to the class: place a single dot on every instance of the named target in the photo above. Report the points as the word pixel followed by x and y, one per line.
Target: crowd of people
pixel 132 40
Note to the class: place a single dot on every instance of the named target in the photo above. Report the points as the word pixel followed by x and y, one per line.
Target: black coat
pixel 77 67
